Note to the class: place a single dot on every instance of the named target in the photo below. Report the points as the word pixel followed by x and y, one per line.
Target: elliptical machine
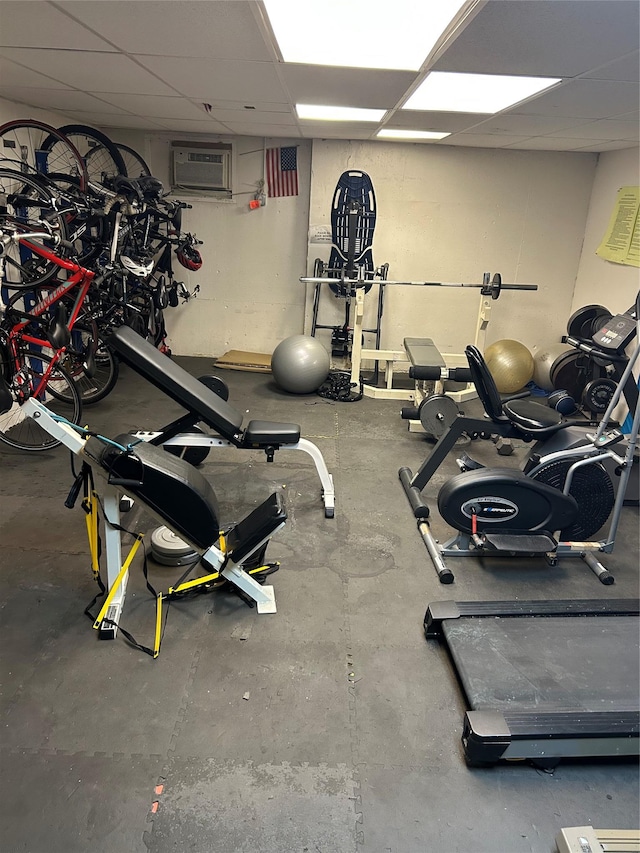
pixel 554 506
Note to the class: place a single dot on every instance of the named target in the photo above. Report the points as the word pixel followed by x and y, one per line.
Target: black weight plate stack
pixel 585 322
pixel 591 487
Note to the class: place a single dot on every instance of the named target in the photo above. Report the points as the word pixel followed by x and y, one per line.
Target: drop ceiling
pixel 213 67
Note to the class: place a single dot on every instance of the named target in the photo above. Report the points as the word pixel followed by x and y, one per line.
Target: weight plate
pixel 437 413
pixel 570 372
pixel 597 394
pixel 169 550
pixel 193 454
pixel 585 322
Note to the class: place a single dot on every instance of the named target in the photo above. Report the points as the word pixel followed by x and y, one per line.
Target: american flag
pixel 282 171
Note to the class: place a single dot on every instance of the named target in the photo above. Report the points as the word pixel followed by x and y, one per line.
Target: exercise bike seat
pixel 527 415
pixel 196 397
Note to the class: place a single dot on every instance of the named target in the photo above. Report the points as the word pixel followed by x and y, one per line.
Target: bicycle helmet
pixel 151 187
pixel 189 256
pixel 138 267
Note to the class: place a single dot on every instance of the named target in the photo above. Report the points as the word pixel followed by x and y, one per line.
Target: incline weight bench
pixel 205 406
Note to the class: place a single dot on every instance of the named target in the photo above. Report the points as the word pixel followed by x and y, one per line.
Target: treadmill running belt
pixel 547 665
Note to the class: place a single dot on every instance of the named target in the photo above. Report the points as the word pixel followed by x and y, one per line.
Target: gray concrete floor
pixel 349 738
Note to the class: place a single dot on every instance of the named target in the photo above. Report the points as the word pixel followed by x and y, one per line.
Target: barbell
pixel 489 287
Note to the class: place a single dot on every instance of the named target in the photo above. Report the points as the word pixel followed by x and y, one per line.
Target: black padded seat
pixel 532 416
pixel 196 397
pixel 270 433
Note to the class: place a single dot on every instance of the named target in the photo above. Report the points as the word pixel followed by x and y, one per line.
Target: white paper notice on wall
pixel 621 243
pixel 319 234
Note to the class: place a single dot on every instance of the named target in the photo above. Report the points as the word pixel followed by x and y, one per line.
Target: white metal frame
pixel 306 446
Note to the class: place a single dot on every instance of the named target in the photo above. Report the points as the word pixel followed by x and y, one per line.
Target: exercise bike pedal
pixel 519 543
pixel 466 463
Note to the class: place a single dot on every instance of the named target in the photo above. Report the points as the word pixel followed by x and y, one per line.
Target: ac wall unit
pixel 202 168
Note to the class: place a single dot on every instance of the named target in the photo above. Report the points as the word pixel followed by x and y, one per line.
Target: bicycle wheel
pixel 102 159
pixel 36 146
pixel 59 395
pixel 26 200
pixel 87 347
pixel 134 164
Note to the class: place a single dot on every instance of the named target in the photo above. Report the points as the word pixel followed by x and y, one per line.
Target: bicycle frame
pixel 79 277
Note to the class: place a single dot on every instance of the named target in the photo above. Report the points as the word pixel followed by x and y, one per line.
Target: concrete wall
pixel 250 297
pixel 449 214
pixel 598 281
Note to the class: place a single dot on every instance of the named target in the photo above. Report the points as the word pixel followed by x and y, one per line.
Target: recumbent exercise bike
pixel 504 511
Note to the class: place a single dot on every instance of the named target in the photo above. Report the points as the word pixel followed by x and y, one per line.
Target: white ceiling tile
pixel 606 129
pixel 198 28
pixel 262 106
pixel 42 25
pixel 230 64
pixel 254 117
pixel 12 74
pixel 627 68
pixel 547 38
pixel 428 120
pixel 257 129
pixel 178 124
pixel 338 130
pixel 346 87
pixel 207 79
pixel 608 146
pixel 525 125
pixel 95 72
pixel 479 140
pixel 584 99
pixel 548 143
pixel 122 120
pixel 58 99
pixel 156 106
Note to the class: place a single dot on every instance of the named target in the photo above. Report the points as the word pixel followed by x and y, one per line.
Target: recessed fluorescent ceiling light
pixel 360 33
pixel 324 113
pixel 474 93
pixel 388 133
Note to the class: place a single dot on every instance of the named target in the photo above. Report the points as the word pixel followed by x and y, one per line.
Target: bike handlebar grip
pixel 64 244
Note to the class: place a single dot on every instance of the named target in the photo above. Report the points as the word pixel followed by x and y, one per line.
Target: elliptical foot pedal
pixel 467 463
pixel 521 543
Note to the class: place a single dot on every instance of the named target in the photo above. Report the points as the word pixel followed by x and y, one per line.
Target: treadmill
pixel 544 680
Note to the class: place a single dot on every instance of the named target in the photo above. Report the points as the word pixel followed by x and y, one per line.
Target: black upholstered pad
pixel 261 433
pixel 196 397
pixel 174 490
pixel 531 415
pixel 176 382
pixel 246 536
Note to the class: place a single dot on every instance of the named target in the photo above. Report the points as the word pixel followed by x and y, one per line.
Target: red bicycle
pixel 44 353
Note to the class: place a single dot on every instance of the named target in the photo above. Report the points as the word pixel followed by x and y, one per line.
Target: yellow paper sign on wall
pixel 621 243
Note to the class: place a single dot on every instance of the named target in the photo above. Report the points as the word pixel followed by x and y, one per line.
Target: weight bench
pixel 205 406
pixel 180 497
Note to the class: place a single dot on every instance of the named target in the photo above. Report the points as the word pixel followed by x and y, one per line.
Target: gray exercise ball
pixel 300 364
